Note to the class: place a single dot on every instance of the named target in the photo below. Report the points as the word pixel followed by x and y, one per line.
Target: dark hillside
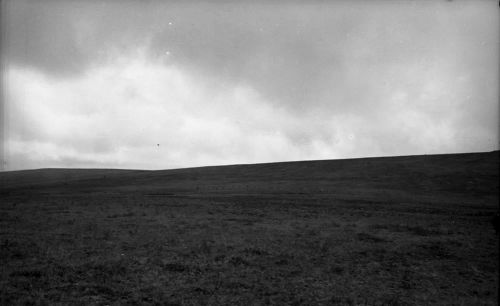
pixel 408 230
pixel 465 175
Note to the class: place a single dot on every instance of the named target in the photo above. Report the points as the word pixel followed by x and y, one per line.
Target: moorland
pixel 407 230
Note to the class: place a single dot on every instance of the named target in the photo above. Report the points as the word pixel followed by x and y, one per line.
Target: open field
pixel 379 231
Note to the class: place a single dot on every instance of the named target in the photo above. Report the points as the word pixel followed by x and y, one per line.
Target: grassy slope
pixel 400 230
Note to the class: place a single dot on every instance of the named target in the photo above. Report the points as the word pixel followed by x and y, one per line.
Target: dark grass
pixel 389 231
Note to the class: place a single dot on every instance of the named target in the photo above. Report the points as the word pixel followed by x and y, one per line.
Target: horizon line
pixel 249 164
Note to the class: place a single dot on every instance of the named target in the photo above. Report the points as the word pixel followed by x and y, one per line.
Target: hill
pixel 471 174
pixel 393 230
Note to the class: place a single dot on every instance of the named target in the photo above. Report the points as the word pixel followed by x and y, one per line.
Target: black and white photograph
pixel 289 152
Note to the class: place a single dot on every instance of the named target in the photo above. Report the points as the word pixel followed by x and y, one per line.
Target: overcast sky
pixel 156 84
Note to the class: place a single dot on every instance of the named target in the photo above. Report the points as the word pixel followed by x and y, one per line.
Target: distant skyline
pixel 171 84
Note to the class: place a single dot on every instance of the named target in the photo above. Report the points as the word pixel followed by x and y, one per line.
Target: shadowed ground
pixel 401 230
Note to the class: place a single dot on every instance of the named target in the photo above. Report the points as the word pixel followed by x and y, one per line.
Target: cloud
pixel 119 113
pixel 296 54
pixel 102 83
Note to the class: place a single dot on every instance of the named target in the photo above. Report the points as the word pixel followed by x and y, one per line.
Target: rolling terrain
pixel 406 230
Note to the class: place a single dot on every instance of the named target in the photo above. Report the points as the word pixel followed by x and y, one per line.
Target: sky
pixel 170 84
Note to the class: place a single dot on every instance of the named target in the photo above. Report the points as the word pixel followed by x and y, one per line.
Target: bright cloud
pixel 169 85
pixel 117 115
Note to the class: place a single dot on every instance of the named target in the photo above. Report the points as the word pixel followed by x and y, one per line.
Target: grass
pixel 160 241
